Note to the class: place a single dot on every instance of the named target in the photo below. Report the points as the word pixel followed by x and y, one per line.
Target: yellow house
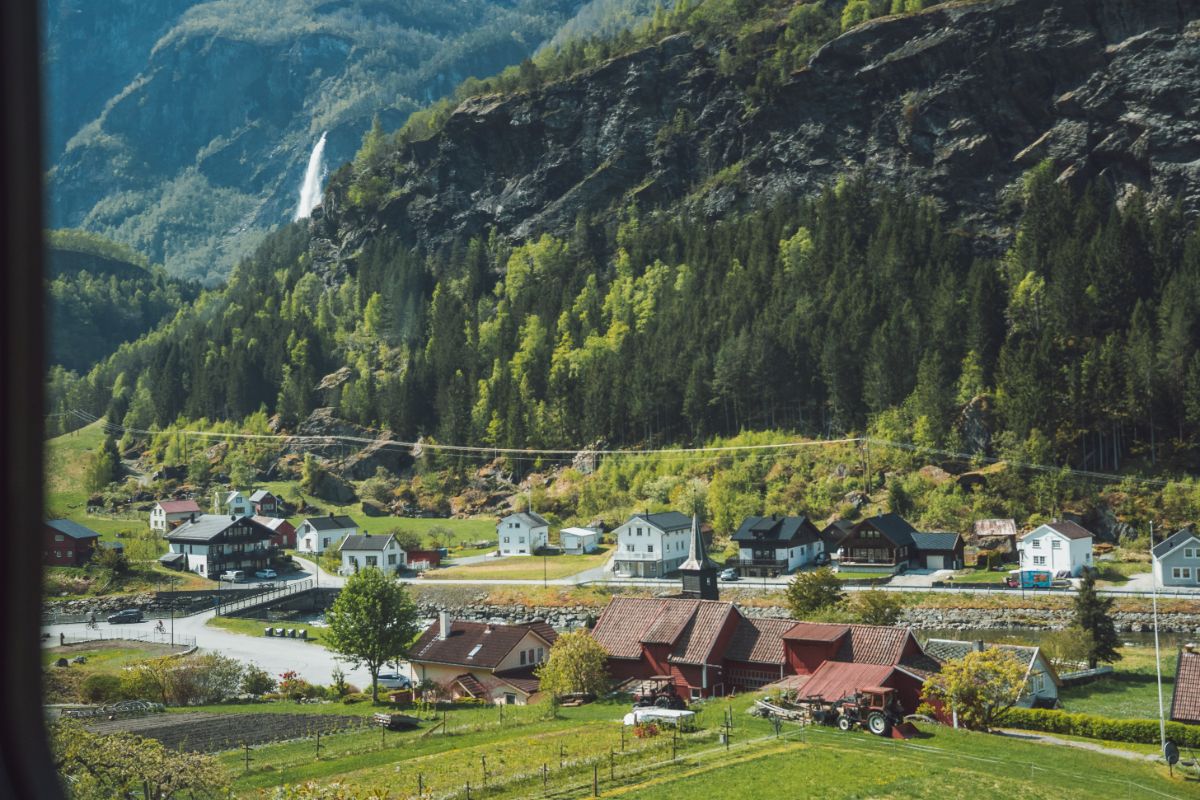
pixel 480 660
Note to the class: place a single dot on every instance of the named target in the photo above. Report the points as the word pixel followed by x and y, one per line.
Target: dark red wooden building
pixel 66 543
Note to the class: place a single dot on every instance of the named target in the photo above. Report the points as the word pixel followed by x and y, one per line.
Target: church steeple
pixel 699 572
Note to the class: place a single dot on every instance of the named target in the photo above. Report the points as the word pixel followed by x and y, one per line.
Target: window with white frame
pixel 1181 573
pixel 1055 544
pixel 1036 544
pixel 1039 561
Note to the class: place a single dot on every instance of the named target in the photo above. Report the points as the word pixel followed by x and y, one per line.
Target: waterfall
pixel 310 190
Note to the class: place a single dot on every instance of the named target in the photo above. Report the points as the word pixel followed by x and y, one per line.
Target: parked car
pixel 234 576
pixel 393 680
pixel 730 574
pixel 126 615
pixel 267 574
pixel 822 559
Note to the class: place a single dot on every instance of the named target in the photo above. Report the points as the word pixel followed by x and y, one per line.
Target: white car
pixel 266 574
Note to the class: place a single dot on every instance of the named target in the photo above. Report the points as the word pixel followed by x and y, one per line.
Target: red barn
pixel 283 533
pixel 66 543
pixel 432 558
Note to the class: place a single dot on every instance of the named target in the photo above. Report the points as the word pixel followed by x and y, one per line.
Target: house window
pixel 506 540
pixel 391 559
pixel 522 658
pixel 1039 561
pixel 58 537
pixel 70 554
pixel 649 548
pixel 629 548
pixel 1055 544
pixel 372 561
pixel 541 655
pixel 510 699
pixel 695 694
pixel 1182 573
pixel 1187 552
pixel 1036 544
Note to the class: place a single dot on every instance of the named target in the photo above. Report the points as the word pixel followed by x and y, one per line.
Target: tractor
pixel 659 692
pixel 872 707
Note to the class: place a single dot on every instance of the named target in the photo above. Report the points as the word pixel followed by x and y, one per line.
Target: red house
pixel 709 648
pixel 430 558
pixel 283 532
pixel 264 503
pixel 66 543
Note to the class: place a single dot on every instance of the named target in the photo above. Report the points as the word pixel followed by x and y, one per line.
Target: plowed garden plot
pixel 209 733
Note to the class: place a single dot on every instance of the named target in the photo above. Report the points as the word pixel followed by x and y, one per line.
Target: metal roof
pixel 759 640
pixel 1185 704
pixel 206 527
pixel 779 530
pixel 261 494
pixel 1071 530
pixel 691 627
pixel 179 506
pixel 893 526
pixel 834 680
pixel 330 522
pixel 816 631
pixel 69 527
pixel 366 542
pixel 1173 541
pixel 664 520
pixel 530 518
pixel 995 527
pixel 951 649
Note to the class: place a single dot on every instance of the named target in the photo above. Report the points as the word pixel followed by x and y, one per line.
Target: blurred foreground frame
pixel 26 769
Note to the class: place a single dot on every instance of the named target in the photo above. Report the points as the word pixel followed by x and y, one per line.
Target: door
pixel 935 562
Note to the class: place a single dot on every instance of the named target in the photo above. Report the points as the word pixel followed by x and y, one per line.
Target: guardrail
pixel 105 632
pixel 268 596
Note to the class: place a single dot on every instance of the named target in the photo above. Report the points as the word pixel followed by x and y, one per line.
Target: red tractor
pixel 872 707
pixel 659 692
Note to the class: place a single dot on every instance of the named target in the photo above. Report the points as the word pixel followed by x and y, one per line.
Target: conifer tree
pixel 1093 614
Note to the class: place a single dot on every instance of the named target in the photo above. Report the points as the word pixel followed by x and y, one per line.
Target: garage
pixel 939 549
pixel 935 562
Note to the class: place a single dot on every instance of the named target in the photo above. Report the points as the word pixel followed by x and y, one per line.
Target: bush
pixel 257 681
pixel 1091 726
pixel 355 697
pixel 101 688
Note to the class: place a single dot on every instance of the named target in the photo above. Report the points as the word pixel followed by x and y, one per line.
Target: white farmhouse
pixel 317 534
pixel 652 545
pixel 577 541
pixel 166 514
pixel 380 552
pixel 776 545
pixel 522 534
pixel 232 503
pixel 1059 547
pixel 211 544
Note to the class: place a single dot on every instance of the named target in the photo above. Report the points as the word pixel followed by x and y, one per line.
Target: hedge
pixel 1142 731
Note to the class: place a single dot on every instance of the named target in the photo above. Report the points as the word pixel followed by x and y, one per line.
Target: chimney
pixel 443 625
pixel 978 645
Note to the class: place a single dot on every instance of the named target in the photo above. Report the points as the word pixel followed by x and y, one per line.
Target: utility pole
pixel 1162 723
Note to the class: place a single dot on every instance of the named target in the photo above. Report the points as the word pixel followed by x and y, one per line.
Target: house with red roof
pixel 167 514
pixel 492 663
pixel 1185 703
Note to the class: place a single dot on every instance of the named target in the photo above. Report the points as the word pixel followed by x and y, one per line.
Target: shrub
pixel 257 681
pixel 355 697
pixel 1091 726
pixel 101 688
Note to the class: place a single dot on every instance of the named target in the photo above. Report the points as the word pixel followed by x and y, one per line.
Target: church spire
pixel 699 572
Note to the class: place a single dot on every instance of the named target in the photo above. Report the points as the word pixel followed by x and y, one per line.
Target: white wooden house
pixel 381 552
pixel 522 533
pixel 317 534
pixel 166 514
pixel 1059 547
pixel 232 503
pixel 577 541
pixel 652 545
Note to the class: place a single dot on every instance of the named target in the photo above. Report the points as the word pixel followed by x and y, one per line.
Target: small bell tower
pixel 699 572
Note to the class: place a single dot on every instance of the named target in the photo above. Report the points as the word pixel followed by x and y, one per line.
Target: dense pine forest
pixel 859 309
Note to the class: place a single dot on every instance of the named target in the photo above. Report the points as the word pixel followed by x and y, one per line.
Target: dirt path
pixel 1029 736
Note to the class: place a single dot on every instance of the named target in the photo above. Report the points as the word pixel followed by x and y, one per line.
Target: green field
pixel 1132 690
pixel 522 568
pixel 815 762
pixel 254 627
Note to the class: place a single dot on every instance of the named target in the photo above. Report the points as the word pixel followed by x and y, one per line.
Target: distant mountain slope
pixel 184 129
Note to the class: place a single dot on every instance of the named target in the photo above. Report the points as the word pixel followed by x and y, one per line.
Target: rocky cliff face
pixel 956 102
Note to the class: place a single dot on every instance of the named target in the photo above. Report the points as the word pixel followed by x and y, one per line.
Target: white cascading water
pixel 310 190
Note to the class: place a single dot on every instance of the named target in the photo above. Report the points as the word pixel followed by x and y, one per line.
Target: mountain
pixel 184 129
pixel 969 227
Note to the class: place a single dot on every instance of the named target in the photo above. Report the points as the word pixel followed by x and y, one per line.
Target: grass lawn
pixel 522 567
pixel 111 655
pixel 816 762
pixel 254 627
pixel 1118 572
pixel 850 575
pixel 980 576
pixel 1132 690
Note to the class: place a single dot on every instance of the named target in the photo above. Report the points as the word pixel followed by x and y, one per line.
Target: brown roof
pixel 1071 530
pixel 874 644
pixel 816 632
pixel 522 679
pixel 1185 705
pixel 471 685
pixel 179 506
pixel 833 680
pixel 758 640
pixel 690 626
pixel 494 642
pixel 995 527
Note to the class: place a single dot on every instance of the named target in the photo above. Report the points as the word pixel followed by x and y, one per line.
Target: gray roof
pixel 69 527
pixel 666 520
pixel 1174 540
pixel 697 554
pixel 530 518
pixel 936 540
pixel 171 558
pixel 950 649
pixel 1071 530
pixel 777 530
pixel 329 523
pixel 261 494
pixel 206 527
pixel 893 526
pixel 366 542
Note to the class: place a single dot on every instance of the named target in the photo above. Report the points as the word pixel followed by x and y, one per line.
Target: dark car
pixel 126 615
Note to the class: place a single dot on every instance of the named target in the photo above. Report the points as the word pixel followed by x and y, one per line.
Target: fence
pixel 106 633
pixel 268 596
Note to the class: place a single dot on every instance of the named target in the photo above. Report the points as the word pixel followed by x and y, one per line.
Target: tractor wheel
pixel 662 702
pixel 879 724
pixel 844 723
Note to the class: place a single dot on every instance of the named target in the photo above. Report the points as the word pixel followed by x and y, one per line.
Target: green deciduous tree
pixel 979 687
pixel 876 607
pixel 813 591
pixel 577 664
pixel 373 621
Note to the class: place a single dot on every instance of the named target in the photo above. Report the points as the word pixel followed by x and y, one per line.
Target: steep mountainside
pixel 956 101
pixel 184 129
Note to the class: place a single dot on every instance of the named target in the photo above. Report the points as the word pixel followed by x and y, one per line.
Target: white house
pixel 522 534
pixel 166 514
pixel 1177 559
pixel 577 541
pixel 1041 679
pixel 381 552
pixel 1062 546
pixel 317 534
pixel 652 545
pixel 771 546
pixel 232 503
pixel 211 544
